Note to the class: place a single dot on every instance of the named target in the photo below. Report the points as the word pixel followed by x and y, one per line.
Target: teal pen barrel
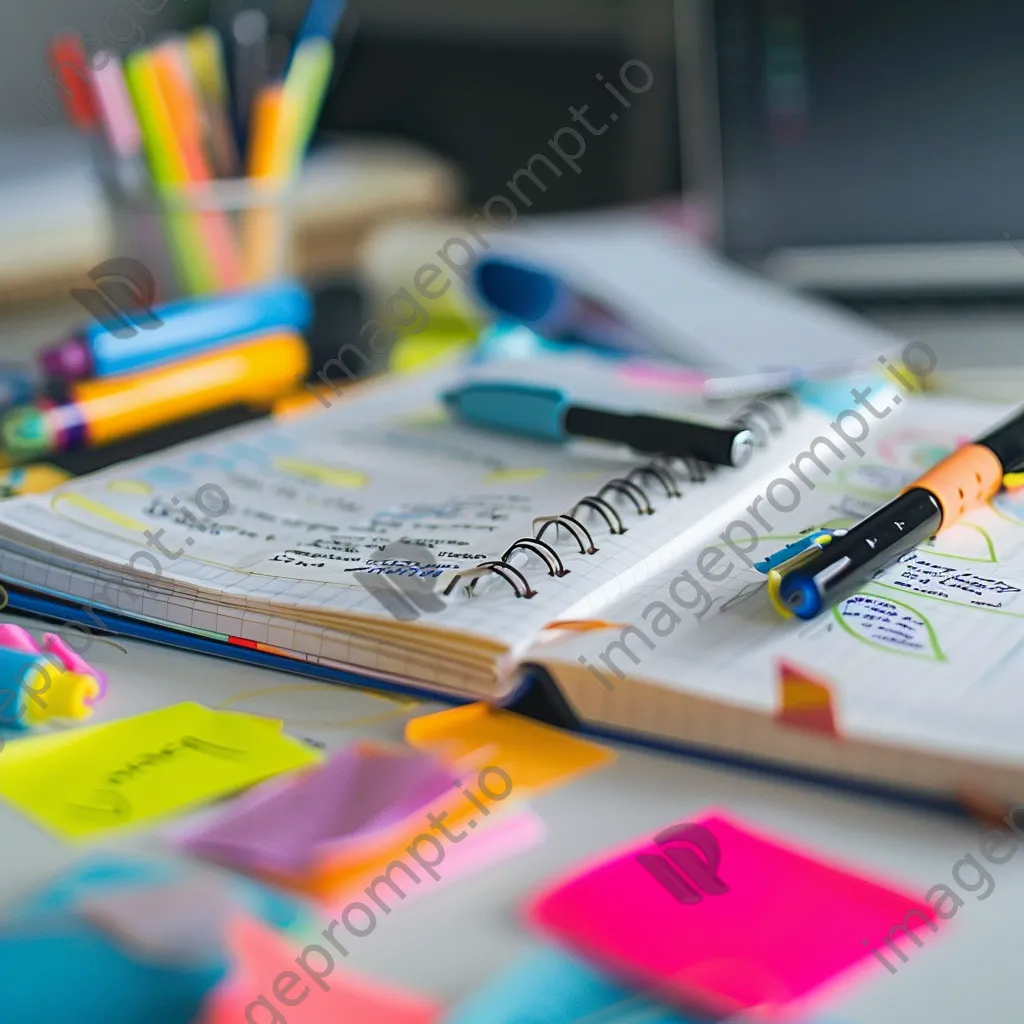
pixel 524 409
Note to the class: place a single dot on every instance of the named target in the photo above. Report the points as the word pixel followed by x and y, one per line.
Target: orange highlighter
pixel 255 372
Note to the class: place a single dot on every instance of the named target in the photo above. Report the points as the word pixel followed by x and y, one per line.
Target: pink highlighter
pixel 715 918
pixel 74 662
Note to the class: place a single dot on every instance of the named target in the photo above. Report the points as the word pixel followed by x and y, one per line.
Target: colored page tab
pixel 805 702
pixel 137 770
pixel 710 914
pixel 534 755
pixel 275 983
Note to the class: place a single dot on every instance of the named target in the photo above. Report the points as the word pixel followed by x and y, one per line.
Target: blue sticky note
pixel 550 987
pixel 835 395
pixel 55 965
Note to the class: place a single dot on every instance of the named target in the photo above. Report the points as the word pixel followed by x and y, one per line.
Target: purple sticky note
pixel 290 826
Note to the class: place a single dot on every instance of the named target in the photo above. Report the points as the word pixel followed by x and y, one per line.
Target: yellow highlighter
pixel 194 264
pixel 206 59
pixel 274 128
pixel 255 372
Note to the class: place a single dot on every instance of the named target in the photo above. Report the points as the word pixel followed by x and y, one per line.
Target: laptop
pixel 871 152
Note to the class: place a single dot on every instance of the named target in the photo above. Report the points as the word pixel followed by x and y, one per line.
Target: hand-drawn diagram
pixel 888 625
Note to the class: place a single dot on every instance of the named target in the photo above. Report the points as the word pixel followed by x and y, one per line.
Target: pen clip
pixel 802 547
pixel 790 557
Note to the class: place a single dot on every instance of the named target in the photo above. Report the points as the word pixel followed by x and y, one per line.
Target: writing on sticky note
pixel 709 914
pixel 535 755
pixel 134 771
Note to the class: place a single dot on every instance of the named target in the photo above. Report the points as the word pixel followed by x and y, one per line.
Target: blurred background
pixel 866 151
pixel 442 101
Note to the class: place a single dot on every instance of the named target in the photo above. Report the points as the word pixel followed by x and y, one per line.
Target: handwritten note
pixel 955 584
pixel 889 625
pixel 134 771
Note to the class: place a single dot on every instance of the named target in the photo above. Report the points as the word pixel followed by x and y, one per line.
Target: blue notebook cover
pixel 537 696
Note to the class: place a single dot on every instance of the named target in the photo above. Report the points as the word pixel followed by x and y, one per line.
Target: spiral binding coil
pixel 663 471
pixel 761 416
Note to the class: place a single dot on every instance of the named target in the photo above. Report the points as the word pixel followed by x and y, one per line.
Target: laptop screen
pixel 870 122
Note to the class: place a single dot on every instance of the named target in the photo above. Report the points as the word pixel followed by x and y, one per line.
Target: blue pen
pixel 132 341
pixel 322 19
pixel 547 414
pixel 516 290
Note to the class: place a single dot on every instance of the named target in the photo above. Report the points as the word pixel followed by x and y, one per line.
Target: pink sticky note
pixel 268 983
pixel 715 917
pixel 501 839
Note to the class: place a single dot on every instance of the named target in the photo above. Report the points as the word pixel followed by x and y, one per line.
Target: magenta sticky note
pixel 716 917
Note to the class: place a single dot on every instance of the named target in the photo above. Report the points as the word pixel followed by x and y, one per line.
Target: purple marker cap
pixel 67 360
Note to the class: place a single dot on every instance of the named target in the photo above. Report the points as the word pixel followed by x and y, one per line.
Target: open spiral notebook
pixel 379 542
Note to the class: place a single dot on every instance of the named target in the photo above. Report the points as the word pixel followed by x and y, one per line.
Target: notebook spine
pixel 635 488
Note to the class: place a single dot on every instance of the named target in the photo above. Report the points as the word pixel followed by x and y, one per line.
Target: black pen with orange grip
pixel 968 477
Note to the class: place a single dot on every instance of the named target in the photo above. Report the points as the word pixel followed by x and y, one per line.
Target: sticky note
pixel 499 839
pixel 534 755
pixel 292 826
pixel 58 964
pixel 134 771
pixel 331 829
pixel 711 915
pixel 548 986
pixel 181 922
pixel 270 983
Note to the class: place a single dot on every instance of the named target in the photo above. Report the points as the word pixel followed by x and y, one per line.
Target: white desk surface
pixel 450 940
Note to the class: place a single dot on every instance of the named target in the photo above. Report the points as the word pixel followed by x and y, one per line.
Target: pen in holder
pixel 203 239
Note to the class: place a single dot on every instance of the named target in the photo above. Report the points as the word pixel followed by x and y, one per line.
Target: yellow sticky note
pixel 535 756
pixel 135 771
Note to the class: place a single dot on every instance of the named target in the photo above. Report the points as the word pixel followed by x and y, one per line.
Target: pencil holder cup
pixel 218 237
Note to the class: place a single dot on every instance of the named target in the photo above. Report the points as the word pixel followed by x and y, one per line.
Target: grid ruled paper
pixel 262 532
pixel 927 656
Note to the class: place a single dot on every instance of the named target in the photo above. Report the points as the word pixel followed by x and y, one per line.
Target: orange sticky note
pixel 270 977
pixel 535 756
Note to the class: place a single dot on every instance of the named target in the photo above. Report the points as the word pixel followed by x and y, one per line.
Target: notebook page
pixel 301 504
pixel 927 655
